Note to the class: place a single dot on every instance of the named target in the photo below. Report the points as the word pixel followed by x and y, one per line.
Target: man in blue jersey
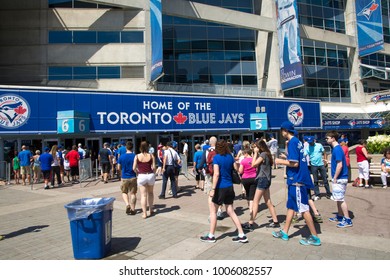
pixel 339 172
pixel 46 160
pixel 129 179
pixel 298 182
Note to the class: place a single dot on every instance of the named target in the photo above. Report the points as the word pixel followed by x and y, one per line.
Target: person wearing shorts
pixel 128 179
pixel 263 161
pixel 298 181
pixel 73 157
pixel 362 158
pixel 339 172
pixel 145 167
pixel 46 159
pixel 222 192
pixel 25 158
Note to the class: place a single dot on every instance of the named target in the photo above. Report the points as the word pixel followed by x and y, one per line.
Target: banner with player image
pixel 291 74
pixel 369 26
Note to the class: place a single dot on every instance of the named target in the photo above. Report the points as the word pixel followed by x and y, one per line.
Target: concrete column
pixel 356 86
pixel 268 75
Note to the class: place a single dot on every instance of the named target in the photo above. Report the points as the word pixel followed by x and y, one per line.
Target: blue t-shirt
pixel 46 160
pixel 315 153
pixel 122 150
pixel 301 173
pixel 225 163
pixel 338 155
pixel 24 157
pixel 126 161
pixel 198 158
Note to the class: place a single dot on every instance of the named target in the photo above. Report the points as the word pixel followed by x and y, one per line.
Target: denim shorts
pixel 263 183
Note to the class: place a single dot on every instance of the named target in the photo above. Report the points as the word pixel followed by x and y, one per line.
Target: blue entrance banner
pixel 146 112
pixel 156 39
pixel 369 26
pixel 291 73
pixel 352 124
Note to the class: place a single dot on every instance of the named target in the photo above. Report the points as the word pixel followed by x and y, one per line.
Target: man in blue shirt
pixel 129 179
pixel 339 172
pixel 46 160
pixel 298 181
pixel 317 154
pixel 25 157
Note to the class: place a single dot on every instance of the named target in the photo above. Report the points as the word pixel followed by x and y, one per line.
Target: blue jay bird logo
pixel 14 111
pixel 295 114
pixel 368 10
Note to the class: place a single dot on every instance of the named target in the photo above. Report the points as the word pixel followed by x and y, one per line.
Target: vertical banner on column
pixel 156 40
pixel 369 26
pixel 289 44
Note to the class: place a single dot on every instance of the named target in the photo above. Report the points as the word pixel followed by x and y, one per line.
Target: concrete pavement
pixel 36 226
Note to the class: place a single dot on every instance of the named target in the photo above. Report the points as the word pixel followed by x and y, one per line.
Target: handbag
pixel 236 178
pixel 174 162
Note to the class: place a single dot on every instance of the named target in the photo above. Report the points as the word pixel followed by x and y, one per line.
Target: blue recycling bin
pixel 91 227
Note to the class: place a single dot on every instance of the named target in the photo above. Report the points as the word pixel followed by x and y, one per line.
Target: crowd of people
pixel 214 164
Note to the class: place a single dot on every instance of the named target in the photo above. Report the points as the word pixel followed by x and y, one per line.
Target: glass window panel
pixel 202 55
pixel 249 80
pixel 217 79
pixel 229 3
pixel 168 44
pixel 333 73
pixel 60 37
pixel 247 34
pixel 109 72
pixel 321 61
pixel 197 22
pixel 167 19
pixel 247 46
pixel 60 3
pixel 168 78
pixel 84 73
pixel 328 13
pixel 322 72
pixel 168 32
pixel 310 71
pixel 199 45
pixel 182 45
pixel 232 55
pixel 231 33
pixel 233 80
pixel 318 22
pixel 248 68
pixel 198 32
pixel 233 68
pixel 215 33
pixel 311 82
pixel 317 12
pixel 320 52
pixel 217 68
pixel 80 4
pixel 308 51
pixel 322 83
pixel 182 32
pixel 232 45
pixel 108 37
pixel 134 36
pixel 331 53
pixel 179 20
pixel 248 56
pixel 60 73
pixel 168 54
pixel 183 54
pixel 84 37
pixel 169 67
pixel 216 45
pixel 309 60
pixel 329 25
pixel 214 55
pixel 304 9
pixel 332 62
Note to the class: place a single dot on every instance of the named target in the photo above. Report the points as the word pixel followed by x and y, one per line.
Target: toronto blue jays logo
pixel 368 10
pixel 14 111
pixel 295 114
pixel 376 98
pixel 352 123
pixel 380 122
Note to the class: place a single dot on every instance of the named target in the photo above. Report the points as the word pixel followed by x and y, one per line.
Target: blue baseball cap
pixel 310 139
pixel 46 149
pixel 289 127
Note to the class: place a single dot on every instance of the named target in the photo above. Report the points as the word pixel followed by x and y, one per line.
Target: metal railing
pixel 249 91
pixel 5 172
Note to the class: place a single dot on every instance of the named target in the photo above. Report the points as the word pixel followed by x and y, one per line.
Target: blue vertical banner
pixel 157 41
pixel 291 74
pixel 369 26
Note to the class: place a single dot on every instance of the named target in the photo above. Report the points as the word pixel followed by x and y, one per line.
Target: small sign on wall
pixel 72 122
pixel 259 121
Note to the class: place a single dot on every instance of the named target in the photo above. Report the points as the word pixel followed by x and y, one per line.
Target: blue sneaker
pixel 312 240
pixel 280 234
pixel 336 219
pixel 345 223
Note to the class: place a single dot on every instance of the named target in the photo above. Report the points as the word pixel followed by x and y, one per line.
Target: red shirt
pixel 346 153
pixel 359 154
pixel 73 157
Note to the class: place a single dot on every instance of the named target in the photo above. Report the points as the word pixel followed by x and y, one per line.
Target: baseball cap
pixel 46 149
pixel 59 147
pixel 174 144
pixel 289 127
pixel 310 139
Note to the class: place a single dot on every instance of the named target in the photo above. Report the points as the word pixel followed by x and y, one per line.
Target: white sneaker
pixel 315 197
pixel 384 186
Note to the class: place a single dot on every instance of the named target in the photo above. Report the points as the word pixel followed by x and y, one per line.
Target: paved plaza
pixel 36 227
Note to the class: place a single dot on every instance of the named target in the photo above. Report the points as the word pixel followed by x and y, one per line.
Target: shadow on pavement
pixel 25 230
pixel 122 245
